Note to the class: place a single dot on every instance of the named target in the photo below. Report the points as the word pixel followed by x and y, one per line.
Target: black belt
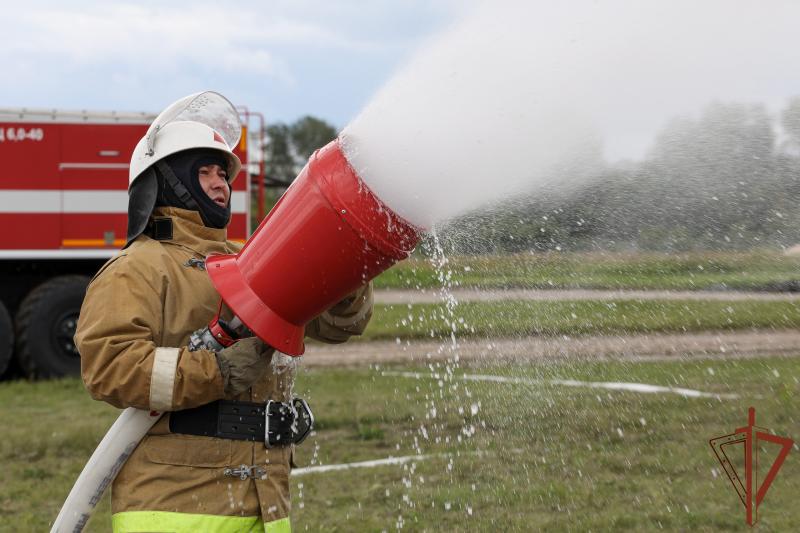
pixel 274 423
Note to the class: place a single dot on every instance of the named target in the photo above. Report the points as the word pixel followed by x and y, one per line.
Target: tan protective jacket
pixel 132 334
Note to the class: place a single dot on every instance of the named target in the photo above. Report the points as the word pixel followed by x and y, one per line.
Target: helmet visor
pixel 209 108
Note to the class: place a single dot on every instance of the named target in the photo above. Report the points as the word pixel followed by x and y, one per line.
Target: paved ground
pixel 477 295
pixel 634 348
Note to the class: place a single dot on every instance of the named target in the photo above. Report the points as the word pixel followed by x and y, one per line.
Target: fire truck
pixel 63 214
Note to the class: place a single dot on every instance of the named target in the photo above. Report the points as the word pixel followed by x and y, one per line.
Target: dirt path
pixel 633 348
pixel 477 295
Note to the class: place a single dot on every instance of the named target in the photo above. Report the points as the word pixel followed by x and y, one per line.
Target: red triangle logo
pixel 747 486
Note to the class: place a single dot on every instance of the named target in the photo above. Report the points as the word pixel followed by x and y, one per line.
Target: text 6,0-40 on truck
pixel 63 213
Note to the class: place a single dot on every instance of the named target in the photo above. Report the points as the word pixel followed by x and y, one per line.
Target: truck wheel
pixel 45 326
pixel 6 339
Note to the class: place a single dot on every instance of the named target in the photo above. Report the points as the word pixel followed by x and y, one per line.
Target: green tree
pixel 286 149
pixel 310 133
pixel 279 162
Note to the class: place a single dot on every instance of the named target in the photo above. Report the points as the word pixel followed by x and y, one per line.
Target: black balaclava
pixel 186 167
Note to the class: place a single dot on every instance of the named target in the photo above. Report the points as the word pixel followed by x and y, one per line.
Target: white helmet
pixel 200 120
pixel 204 120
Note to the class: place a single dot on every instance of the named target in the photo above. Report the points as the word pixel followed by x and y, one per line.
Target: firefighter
pixel 139 312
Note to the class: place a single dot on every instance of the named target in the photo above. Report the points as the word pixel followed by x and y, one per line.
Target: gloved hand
pixel 243 364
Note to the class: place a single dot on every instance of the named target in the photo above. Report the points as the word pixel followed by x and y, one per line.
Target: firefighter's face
pixel 214 181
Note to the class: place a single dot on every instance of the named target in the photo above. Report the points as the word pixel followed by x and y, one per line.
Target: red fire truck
pixel 63 213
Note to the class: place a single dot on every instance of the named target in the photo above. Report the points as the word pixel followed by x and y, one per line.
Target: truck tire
pixel 6 339
pixel 45 326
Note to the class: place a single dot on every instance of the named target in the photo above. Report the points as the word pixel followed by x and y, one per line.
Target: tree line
pixel 729 179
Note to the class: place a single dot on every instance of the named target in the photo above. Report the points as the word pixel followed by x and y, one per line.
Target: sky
pixel 285 59
pixel 635 65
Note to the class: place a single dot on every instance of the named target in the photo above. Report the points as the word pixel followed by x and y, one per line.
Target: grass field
pixel 689 271
pixel 612 317
pixel 496 456
pixel 500 456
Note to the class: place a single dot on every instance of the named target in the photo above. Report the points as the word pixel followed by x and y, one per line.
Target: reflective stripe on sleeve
pixel 162 380
pixel 153 521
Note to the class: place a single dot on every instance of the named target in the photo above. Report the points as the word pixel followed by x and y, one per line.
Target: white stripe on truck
pixel 81 201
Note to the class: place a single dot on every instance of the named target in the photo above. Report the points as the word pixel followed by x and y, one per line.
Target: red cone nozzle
pixel 326 236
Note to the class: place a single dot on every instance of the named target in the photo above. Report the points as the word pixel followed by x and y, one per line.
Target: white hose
pixel 101 469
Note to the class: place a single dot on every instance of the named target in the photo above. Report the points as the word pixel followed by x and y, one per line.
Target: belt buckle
pixel 301 424
pixel 303 420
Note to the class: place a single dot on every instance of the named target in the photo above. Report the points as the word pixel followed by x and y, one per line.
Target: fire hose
pixel 124 436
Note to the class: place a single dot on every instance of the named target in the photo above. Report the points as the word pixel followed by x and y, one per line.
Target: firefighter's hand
pixel 243 364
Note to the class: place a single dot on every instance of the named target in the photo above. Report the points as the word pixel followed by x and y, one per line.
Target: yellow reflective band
pixel 278 526
pixel 161 521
